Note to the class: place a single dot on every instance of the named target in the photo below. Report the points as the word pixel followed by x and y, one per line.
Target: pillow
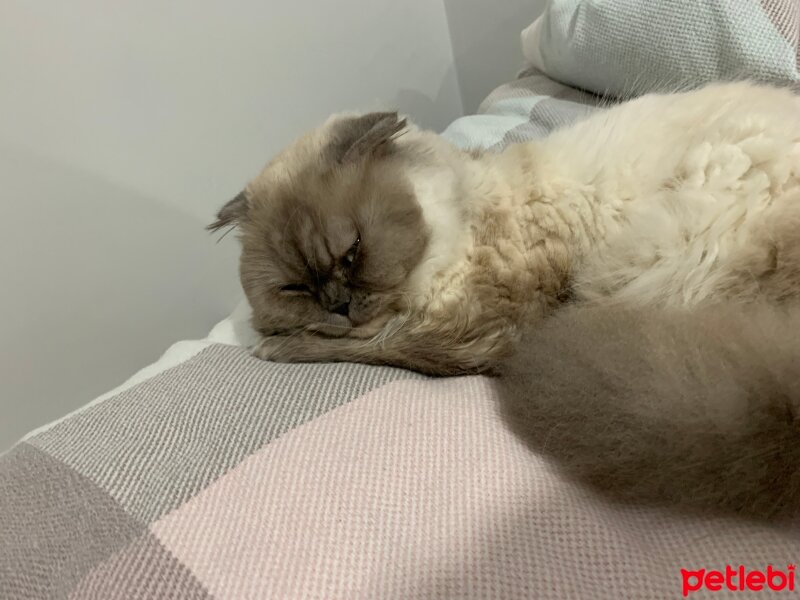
pixel 629 47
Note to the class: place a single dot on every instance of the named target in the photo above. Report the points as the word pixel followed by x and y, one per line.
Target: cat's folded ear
pixel 230 214
pixel 366 135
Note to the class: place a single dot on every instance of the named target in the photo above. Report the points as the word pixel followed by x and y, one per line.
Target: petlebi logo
pixel 738 579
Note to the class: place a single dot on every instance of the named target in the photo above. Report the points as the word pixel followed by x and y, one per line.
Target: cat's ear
pixel 232 213
pixel 367 135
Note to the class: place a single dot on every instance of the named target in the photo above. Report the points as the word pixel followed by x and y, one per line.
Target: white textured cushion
pixel 629 47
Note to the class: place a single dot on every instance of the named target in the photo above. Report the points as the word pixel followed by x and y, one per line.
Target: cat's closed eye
pixel 296 289
pixel 349 258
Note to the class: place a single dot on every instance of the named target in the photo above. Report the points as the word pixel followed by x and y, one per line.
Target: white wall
pixel 485 36
pixel 123 126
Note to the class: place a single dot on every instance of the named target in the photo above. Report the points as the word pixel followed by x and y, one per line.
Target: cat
pixel 370 240
pixel 698 409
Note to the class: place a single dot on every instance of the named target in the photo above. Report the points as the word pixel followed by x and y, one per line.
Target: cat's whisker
pixel 226 232
pixel 327 325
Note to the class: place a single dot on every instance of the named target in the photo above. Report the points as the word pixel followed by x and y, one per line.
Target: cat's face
pixel 330 231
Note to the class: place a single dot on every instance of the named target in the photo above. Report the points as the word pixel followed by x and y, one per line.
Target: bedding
pixel 630 47
pixel 211 474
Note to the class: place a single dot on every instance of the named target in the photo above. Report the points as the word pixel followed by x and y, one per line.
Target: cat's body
pixel 368 240
pixel 667 199
pixel 698 409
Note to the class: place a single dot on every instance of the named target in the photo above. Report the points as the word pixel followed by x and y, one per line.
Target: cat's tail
pixel 699 409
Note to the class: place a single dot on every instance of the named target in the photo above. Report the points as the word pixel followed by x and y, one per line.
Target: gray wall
pixel 125 125
pixel 485 36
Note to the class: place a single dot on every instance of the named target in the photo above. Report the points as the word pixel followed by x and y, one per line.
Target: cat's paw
pixel 291 348
pixel 270 348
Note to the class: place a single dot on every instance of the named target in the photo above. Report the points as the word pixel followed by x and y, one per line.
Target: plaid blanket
pixel 215 475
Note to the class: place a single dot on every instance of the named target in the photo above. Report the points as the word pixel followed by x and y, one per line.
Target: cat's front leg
pixel 307 347
pixel 425 354
pixel 302 347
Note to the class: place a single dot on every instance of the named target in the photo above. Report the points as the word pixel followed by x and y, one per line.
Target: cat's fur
pixel 698 408
pixel 665 200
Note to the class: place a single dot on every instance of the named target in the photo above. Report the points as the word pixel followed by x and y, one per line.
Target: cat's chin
pixel 341 326
pixel 335 326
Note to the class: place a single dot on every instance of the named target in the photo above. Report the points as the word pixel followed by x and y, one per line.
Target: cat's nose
pixel 335 298
pixel 342 308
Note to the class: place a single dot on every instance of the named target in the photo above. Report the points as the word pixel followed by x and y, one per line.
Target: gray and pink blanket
pixel 214 475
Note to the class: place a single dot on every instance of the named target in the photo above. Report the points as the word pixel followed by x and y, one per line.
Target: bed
pixel 211 474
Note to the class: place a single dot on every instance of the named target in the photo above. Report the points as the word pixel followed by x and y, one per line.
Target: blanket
pixel 212 474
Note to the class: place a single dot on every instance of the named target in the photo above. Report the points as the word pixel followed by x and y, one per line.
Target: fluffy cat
pixel 697 408
pixel 369 240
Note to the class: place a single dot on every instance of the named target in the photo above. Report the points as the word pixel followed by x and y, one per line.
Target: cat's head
pixel 331 229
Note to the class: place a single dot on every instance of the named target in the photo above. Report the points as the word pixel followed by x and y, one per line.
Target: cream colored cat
pixel 369 240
